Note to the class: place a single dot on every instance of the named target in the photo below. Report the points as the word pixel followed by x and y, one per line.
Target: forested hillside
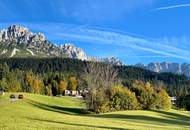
pixel 176 85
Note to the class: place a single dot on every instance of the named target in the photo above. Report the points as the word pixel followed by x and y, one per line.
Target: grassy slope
pixel 43 113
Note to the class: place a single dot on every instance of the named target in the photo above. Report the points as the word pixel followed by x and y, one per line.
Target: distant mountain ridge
pixel 19 41
pixel 112 60
pixel 168 67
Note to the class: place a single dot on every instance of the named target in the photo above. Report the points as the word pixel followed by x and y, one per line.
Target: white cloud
pixel 172 7
pixel 129 44
pixel 89 35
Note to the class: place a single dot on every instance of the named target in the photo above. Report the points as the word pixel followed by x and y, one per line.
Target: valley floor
pixel 36 112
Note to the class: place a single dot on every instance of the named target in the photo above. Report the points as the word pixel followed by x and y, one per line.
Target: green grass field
pixel 37 112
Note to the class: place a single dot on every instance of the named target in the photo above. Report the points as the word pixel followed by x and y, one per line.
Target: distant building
pixel 2 92
pixel 71 93
pixel 74 93
pixel 173 100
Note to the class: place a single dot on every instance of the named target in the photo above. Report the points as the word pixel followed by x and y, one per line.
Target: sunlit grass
pixel 37 112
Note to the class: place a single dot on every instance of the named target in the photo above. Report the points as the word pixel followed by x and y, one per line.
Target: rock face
pixel 112 60
pixel 73 52
pixel 20 35
pixel 168 67
pixel 19 41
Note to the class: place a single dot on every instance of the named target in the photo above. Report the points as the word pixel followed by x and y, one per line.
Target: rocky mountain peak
pixel 38 37
pixel 24 41
pixel 112 60
pixel 168 67
pixel 74 52
pixel 17 28
pixel 20 34
pixel 19 41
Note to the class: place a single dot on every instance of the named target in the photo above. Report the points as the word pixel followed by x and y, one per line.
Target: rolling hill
pixel 47 113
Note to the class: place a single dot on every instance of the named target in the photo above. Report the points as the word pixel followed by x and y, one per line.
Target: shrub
pixel 123 99
pixel 151 97
pixel 161 100
pixel 144 93
pixel 97 101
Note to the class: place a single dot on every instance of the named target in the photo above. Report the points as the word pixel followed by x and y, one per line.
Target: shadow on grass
pixel 77 124
pixel 173 115
pixel 171 118
pixel 59 109
pixel 149 119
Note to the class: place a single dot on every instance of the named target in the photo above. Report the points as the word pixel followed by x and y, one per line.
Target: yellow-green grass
pixel 36 112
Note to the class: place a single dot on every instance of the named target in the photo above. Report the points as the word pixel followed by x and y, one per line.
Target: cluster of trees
pixel 107 94
pixel 176 85
pixel 110 87
pixel 27 81
pixel 8 80
pixel 150 96
pixel 183 102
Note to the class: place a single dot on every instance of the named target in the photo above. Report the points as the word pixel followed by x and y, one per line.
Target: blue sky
pixel 135 31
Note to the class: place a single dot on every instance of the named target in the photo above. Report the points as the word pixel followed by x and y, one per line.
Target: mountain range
pixel 167 67
pixel 19 41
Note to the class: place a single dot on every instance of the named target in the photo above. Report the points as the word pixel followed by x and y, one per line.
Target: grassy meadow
pixel 37 112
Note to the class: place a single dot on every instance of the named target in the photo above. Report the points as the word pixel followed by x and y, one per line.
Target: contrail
pixel 172 7
pixel 135 43
pixel 110 37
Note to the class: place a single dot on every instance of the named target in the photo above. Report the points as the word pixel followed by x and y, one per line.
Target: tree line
pixel 176 85
pixel 16 80
pixel 109 87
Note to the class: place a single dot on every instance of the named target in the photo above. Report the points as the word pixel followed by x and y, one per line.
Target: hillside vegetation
pixel 176 85
pixel 53 113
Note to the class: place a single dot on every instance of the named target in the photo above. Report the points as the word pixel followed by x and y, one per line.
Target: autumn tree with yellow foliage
pixel 73 83
pixel 63 84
